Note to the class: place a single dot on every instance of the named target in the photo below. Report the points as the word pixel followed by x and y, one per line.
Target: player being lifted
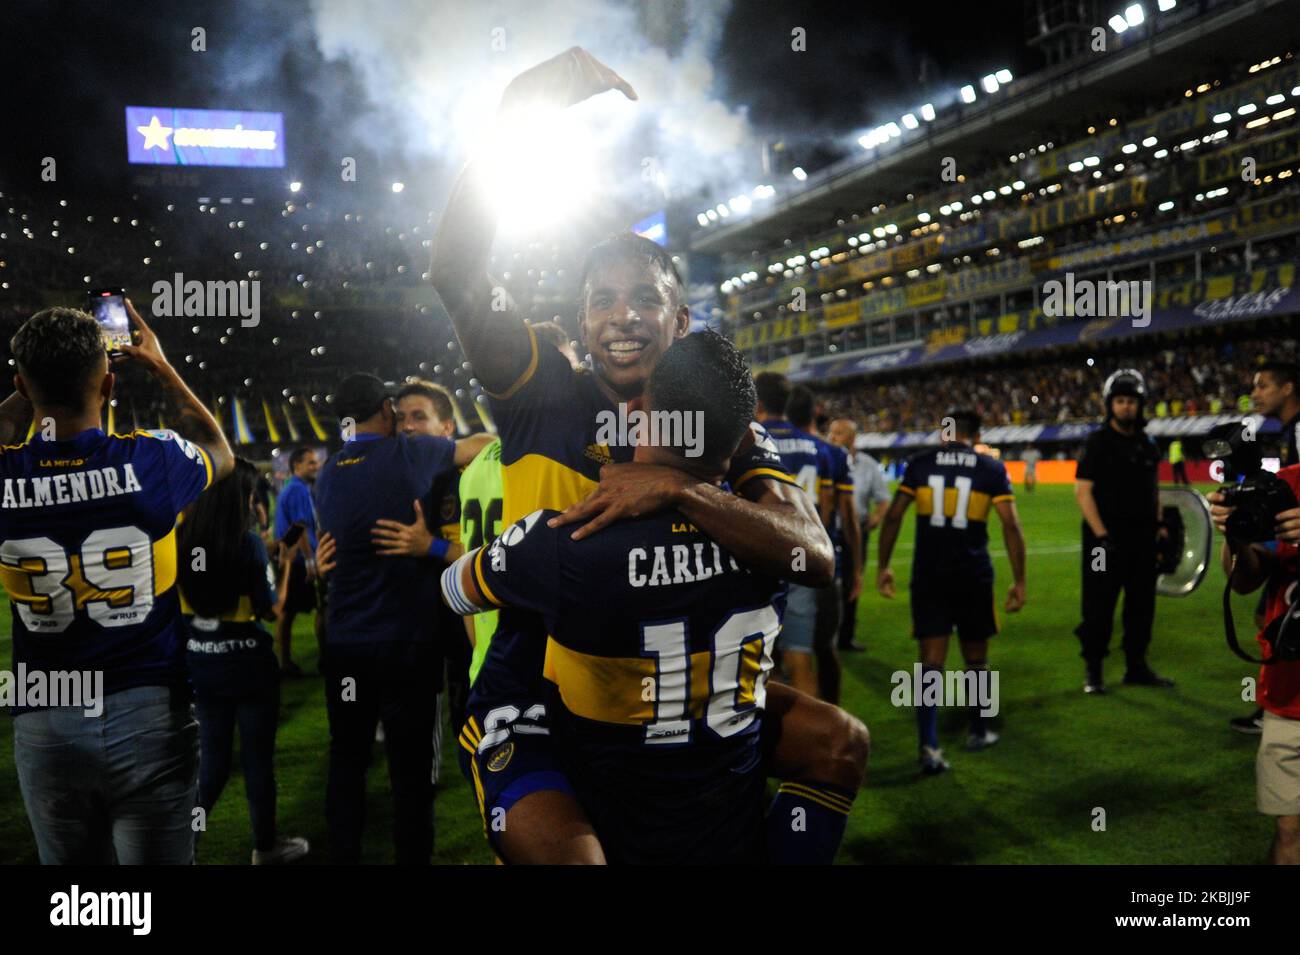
pixel 676 779
pixel 952 575
pixel 633 309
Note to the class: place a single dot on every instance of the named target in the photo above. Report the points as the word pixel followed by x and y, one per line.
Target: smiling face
pixel 631 315
pixel 417 415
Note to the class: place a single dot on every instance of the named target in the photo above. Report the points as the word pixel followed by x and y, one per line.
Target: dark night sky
pixel 78 62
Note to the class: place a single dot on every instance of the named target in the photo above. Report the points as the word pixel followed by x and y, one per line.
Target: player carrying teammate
pixel 633 309
pixel 952 575
pixel 670 774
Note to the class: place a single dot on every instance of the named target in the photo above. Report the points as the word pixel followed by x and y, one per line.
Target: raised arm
pixel 491 332
pixel 194 421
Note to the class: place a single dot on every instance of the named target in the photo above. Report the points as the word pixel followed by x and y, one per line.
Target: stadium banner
pixel 915 254
pixel 989 278
pixel 166 136
pixel 926 293
pixel 841 314
pixel 778 330
pixel 1225 298
pixel 1267 153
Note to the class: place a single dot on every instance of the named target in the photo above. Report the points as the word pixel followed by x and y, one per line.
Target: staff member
pixel 383 655
pixel 1117 493
pixel 295 506
pixel 871 500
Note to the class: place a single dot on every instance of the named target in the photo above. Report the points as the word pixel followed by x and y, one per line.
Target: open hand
pixel 626 490
pixel 571 77
pixel 395 539
pixel 147 352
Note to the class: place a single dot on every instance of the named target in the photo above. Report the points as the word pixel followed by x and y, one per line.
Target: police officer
pixel 1117 493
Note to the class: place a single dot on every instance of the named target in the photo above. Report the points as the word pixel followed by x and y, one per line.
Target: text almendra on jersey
pixel 70 488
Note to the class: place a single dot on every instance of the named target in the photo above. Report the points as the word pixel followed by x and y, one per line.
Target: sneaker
pixel 1094 684
pixel 1147 677
pixel 977 741
pixel 1252 724
pixel 284 851
pixel 932 761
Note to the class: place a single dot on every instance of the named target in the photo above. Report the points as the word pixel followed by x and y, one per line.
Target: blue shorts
pixel 800 621
pixel 967 607
pixel 505 747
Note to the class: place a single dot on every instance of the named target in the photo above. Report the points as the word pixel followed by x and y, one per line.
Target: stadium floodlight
pixel 798 173
pixel 1166 5
pixel 1076 166
pixel 990 194
pixel 956 206
pixel 968 94
pixel 1092 160
pixel 398 186
pixel 295 186
pixel 910 121
pixel 927 112
pixel 1129 149
pixel 893 130
pixel 1275 99
pixel 1160 153
pixel 740 204
pixel 1295 91
pixel 1247 109
pixel 976 199
pixel 1149 142
pixel 1003 76
pixel 1018 185
pixel 702 219
pixel 722 209
pixel 867 140
pixel 1135 15
pixel 990 83
pixel 1004 190
pixel 923 217
pixel 711 215
pixel 1222 117
pixel 764 192
pixel 1118 23
pixel 945 210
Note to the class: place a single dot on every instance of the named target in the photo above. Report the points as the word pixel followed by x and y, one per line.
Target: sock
pixel 927 717
pixel 976 720
pixel 805 823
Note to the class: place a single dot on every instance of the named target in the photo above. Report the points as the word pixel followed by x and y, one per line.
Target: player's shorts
pixel 302 596
pixel 799 626
pixel 506 770
pixel 1277 767
pixel 939 608
pixel 697 805
pixel 505 747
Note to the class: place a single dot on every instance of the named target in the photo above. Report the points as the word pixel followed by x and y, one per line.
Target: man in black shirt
pixel 1117 493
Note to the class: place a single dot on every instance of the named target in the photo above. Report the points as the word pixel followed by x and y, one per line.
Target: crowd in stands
pixel 1206 377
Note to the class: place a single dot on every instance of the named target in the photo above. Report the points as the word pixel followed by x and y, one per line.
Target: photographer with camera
pixel 1260 521
pixel 1117 494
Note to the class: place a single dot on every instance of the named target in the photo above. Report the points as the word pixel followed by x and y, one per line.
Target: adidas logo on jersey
pixel 599 452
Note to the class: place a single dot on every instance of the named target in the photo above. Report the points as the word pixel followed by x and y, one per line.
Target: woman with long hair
pixel 227 588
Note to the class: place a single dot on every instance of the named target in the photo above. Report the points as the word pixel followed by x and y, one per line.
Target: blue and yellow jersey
pixel 841 482
pixel 675 651
pixel 550 457
pixel 88 552
pixel 804 456
pixel 389 600
pixel 954 487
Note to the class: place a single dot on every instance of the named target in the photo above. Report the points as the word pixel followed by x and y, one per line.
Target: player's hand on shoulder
pixel 571 77
pixel 885 583
pixel 625 491
pixel 1015 598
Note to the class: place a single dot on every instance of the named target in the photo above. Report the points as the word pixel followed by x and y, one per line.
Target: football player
pixel 952 576
pixel 661 681
pixel 633 309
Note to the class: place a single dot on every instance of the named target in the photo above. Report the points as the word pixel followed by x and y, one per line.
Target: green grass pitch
pixel 1176 784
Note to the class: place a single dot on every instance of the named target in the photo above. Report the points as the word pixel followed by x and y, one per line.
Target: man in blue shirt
pixel 295 506
pixel 88 557
pixel 382 656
